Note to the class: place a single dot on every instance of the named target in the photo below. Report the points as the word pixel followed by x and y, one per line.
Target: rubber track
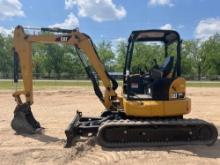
pixel 125 124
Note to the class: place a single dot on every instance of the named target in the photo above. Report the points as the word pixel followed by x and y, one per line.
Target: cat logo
pixel 64 39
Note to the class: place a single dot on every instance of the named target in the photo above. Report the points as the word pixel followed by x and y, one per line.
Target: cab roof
pixel 166 36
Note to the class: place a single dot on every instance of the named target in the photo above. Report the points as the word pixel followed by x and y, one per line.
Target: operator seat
pixel 160 86
pixel 164 70
pixel 167 66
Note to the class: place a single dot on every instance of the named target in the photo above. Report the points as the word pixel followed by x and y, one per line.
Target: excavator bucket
pixel 24 121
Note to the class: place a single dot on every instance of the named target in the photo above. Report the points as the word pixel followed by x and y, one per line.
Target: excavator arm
pixel 23 49
pixel 24 121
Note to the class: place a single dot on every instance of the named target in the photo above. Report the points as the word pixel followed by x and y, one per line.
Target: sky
pixel 114 20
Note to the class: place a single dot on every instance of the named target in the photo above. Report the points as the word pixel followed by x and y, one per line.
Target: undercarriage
pixel 115 129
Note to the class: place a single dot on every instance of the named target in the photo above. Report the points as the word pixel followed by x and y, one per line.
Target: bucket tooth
pixel 24 121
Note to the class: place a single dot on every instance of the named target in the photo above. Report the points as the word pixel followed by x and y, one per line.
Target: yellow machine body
pixel 152 108
pixel 161 108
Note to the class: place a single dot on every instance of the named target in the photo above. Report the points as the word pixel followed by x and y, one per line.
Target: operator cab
pixel 152 64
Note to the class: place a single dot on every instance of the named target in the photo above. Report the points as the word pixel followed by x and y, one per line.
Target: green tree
pixel 39 52
pixel 198 58
pixel 6 56
pixel 192 59
pixel 210 51
pixel 106 55
pixel 72 65
pixel 144 55
pixel 121 51
pixel 54 59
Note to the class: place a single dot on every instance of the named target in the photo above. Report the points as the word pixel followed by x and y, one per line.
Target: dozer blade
pixel 152 133
pixel 82 126
pixel 24 121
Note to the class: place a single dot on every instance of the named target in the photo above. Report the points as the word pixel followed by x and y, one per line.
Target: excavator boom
pixel 23 49
pixel 24 121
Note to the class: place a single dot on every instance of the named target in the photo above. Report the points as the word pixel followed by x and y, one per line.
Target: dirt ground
pixel 56 108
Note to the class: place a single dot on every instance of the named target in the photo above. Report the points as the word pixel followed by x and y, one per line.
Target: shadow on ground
pixel 188 150
pixel 43 138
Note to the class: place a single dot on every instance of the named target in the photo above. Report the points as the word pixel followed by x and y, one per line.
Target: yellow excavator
pixel 148 112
